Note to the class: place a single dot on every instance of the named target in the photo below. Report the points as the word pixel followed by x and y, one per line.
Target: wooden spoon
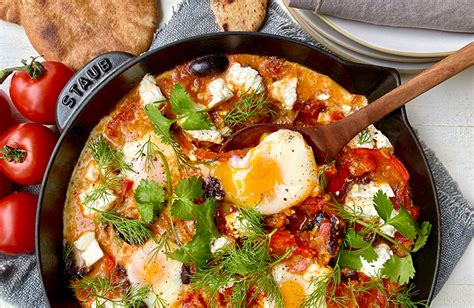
pixel 328 140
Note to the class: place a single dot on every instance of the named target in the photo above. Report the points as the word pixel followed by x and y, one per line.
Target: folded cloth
pixel 19 279
pixel 446 15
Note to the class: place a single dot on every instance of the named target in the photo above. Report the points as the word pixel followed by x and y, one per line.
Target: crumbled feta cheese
pixel 323 96
pixel 220 243
pixel 373 268
pixel 370 138
pixel 244 78
pixel 149 92
pixel 208 135
pixel 89 248
pixel 101 203
pixel 360 198
pixel 315 270
pixel 389 229
pixel 219 92
pixel 92 171
pixel 284 91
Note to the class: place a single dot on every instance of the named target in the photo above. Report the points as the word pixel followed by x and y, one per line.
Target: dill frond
pixel 107 157
pixel 134 231
pixel 243 267
pixel 364 136
pixel 101 290
pixel 247 107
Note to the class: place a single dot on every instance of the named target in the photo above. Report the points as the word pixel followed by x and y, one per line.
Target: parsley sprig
pixel 186 193
pixel 398 269
pixel 149 198
pixel 189 116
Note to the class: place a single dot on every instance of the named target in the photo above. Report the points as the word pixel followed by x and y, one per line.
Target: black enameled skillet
pixel 93 92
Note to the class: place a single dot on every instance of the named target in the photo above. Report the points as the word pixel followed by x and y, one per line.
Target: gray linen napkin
pixel 19 279
pixel 446 15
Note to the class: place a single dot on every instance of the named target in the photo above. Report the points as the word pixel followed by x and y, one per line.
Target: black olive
pixel 316 221
pixel 72 271
pixel 209 65
pixel 213 189
pixel 186 274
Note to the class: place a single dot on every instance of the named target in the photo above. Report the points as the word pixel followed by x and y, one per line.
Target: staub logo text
pixel 86 80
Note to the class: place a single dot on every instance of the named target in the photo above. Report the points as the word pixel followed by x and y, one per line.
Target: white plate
pixel 354 56
pixel 323 28
pixel 409 42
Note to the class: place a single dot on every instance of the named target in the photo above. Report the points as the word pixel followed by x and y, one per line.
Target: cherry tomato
pixel 5 113
pixel 6 186
pixel 25 150
pixel 17 223
pixel 35 91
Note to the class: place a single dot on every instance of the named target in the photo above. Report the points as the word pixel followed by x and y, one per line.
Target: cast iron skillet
pixel 93 92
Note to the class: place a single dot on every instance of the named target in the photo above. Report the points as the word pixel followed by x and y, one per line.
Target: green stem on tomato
pixel 34 69
pixel 13 154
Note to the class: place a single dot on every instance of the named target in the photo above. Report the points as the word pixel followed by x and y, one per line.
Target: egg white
pixel 289 158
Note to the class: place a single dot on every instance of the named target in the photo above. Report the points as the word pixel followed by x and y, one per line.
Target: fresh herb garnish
pixel 364 136
pixel 248 107
pixel 149 198
pixel 103 290
pixel 198 250
pixel 185 192
pixel 103 191
pixel 107 157
pixel 323 179
pixel 243 267
pixel 360 243
pixel 189 117
pixel 162 127
pixel 133 231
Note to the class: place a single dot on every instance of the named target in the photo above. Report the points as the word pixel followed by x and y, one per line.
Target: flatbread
pixel 75 31
pixel 10 10
pixel 239 15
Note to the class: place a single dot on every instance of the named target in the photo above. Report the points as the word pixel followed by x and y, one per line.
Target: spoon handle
pixel 439 72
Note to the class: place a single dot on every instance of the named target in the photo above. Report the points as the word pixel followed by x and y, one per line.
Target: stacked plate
pixel 408 50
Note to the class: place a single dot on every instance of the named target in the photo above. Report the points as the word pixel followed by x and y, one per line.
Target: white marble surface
pixel 444 118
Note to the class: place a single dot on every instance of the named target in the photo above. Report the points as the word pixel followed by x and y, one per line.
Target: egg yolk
pixel 250 185
pixel 293 294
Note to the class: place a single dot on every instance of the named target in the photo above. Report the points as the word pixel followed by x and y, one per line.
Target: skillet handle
pixel 84 83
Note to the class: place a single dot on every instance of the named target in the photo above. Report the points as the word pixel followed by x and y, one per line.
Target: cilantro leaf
pixel 161 123
pixel 149 198
pixel 403 221
pixel 205 224
pixel 181 101
pixel 186 191
pixel 190 188
pixel 383 205
pixel 404 224
pixel 198 250
pixel 399 269
pixel 423 234
pixel 350 259
pixel 360 246
pixel 197 120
